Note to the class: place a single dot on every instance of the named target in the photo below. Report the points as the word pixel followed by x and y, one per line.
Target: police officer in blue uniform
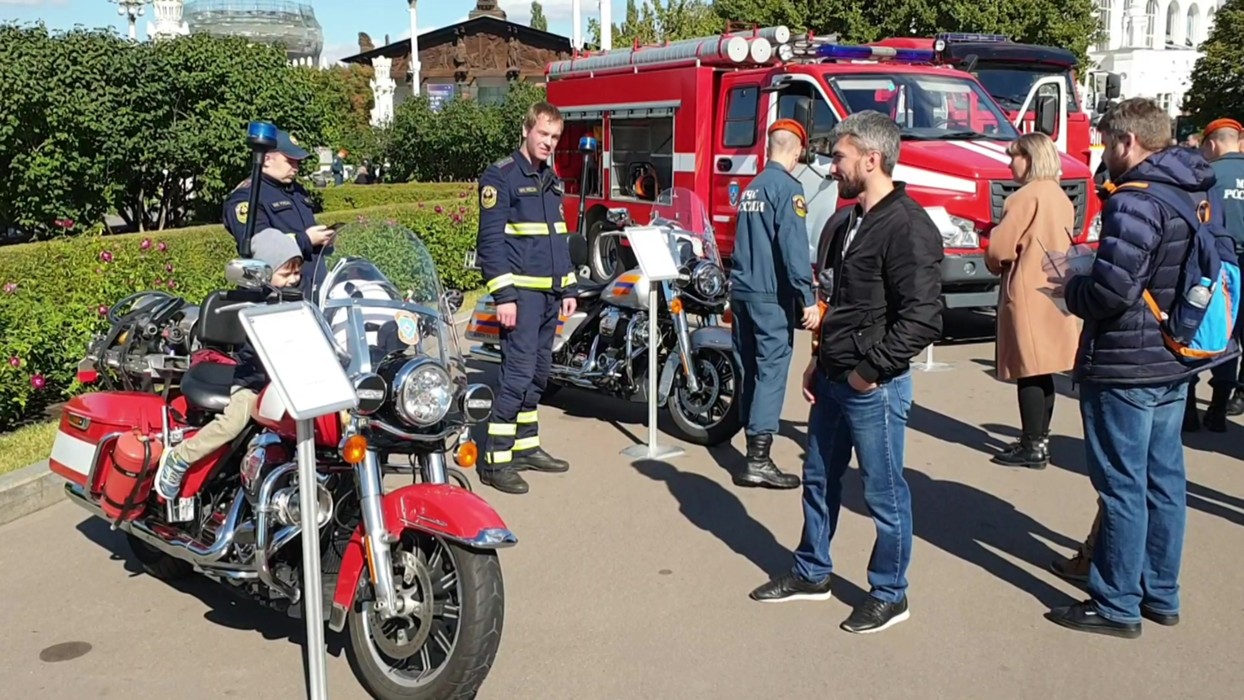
pixel 770 291
pixel 284 204
pixel 522 249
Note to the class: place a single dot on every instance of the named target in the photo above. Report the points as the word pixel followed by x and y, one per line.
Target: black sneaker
pixel 1235 407
pixel 1164 619
pixel 874 615
pixel 1083 617
pixel 791 587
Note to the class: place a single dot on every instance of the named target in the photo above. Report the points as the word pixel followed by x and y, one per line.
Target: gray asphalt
pixel 631 580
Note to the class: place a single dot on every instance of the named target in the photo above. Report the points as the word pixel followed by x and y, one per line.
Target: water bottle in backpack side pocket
pixel 1199 295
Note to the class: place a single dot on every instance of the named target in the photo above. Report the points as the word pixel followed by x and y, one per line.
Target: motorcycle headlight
pixel 709 280
pixel 423 392
pixel 960 234
pixel 1094 233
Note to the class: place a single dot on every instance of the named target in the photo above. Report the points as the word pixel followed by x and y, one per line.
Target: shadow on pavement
pixel 228 607
pixel 712 508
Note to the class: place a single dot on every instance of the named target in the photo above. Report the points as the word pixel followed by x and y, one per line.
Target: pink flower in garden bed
pixel 439 209
pixel 38 382
pixel 146 244
pixel 105 256
pixel 10 288
pixel 15 361
pixel 102 310
pixel 65 223
pixel 162 247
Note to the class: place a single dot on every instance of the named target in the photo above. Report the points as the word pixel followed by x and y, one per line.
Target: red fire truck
pixel 1038 82
pixel 695 114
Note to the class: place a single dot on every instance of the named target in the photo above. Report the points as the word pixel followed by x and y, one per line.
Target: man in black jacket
pixel 884 308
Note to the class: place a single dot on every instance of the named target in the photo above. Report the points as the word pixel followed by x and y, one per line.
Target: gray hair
pixel 872 131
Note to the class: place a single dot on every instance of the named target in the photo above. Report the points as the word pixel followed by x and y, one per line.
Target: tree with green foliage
pixel 155 131
pixel 1066 23
pixel 1218 78
pixel 538 20
pixel 661 20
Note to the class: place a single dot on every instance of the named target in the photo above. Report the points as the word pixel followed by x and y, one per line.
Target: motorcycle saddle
pixel 208 385
pixel 589 289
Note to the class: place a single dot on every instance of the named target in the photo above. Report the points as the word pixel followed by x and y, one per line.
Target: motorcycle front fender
pixel 714 337
pixel 441 510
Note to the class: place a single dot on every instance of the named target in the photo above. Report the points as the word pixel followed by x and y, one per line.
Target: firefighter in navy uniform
pixel 523 251
pixel 285 205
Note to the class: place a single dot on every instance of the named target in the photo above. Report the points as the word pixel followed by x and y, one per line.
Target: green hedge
pixel 347 197
pixel 53 295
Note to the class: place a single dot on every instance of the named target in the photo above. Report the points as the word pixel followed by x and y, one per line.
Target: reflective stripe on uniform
pixel 527 443
pixel 500 457
pixel 534 229
pixel 500 281
pixel 502 429
pixel 529 417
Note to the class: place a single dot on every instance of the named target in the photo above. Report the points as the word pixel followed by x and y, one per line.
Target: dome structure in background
pixel 290 23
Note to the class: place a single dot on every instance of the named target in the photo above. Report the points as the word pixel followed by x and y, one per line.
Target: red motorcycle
pixel 412 575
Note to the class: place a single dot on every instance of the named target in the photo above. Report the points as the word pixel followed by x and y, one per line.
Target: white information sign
pixel 651 247
pixel 294 347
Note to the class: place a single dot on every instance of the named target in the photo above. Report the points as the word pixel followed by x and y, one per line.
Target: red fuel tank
pixel 132 473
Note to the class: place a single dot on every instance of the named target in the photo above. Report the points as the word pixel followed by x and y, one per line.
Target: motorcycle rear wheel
pixel 157 563
pixel 469 593
pixel 700 417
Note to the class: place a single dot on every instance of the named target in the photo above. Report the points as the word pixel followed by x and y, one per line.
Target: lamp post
pixel 415 78
pixel 132 9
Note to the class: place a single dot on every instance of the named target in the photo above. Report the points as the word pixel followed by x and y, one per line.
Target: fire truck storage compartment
pixel 569 161
pixel 641 151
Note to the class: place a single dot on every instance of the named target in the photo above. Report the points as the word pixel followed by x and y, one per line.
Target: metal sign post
pixel 929 365
pixel 293 343
pixel 649 245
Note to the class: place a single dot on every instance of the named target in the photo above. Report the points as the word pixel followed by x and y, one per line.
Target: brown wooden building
pixel 476 58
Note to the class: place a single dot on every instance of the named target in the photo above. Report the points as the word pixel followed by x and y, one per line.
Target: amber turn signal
pixel 676 306
pixel 355 450
pixel 467 455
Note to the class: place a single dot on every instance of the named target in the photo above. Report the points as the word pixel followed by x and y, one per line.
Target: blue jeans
pixel 763 337
pixel 874 424
pixel 1136 462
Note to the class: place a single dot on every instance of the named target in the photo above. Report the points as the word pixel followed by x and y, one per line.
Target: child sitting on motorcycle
pixel 282 254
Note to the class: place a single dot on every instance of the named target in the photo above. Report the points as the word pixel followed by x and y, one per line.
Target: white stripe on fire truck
pixel 739 165
pixel 992 145
pixel 75 454
pixel 684 162
pixel 919 177
pixel 980 150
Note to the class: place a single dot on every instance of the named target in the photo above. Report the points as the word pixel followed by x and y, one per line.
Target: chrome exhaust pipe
pixel 263 526
pixel 175 544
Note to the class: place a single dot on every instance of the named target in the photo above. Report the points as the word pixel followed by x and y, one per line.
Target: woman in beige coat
pixel 1036 339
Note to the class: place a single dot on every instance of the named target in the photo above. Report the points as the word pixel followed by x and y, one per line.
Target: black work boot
pixel 504 478
pixel 1032 452
pixel 1017 444
pixel 537 459
pixel 1235 407
pixel 1216 414
pixel 761 471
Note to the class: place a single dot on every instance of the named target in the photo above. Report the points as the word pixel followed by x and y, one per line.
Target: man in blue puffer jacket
pixel 1132 388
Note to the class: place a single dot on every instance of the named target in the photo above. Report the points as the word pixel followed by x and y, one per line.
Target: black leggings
pixel 1036 404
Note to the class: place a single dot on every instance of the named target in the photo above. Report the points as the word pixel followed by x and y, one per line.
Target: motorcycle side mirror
pixel 618 216
pixel 578 249
pixel 247 273
pixel 454 300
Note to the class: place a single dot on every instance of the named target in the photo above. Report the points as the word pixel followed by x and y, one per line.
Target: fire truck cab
pixel 702 123
pixel 1035 85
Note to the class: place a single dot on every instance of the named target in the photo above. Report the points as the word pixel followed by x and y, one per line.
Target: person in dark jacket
pixel 1132 387
pixel 884 308
pixel 283 255
pixel 770 278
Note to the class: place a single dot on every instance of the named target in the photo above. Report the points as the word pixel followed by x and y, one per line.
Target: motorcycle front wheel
pixel 711 415
pixel 445 649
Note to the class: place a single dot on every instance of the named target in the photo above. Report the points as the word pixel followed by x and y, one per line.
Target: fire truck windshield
pixel 926 106
pixel 1010 83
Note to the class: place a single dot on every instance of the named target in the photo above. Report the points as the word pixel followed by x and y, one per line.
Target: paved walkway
pixel 631 581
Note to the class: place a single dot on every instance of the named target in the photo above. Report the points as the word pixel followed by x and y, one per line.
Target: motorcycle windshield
pixel 683 209
pixel 382 297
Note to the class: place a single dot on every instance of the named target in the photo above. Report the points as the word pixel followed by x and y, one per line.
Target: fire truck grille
pixel 1077 192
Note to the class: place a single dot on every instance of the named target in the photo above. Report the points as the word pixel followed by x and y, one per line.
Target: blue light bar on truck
pixel 868 53
pixel 962 38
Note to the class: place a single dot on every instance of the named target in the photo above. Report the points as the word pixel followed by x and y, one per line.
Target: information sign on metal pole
pixel 651 247
pixel 293 343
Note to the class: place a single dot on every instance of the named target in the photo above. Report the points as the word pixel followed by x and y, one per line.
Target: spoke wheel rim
pixel 711 404
pixel 432 631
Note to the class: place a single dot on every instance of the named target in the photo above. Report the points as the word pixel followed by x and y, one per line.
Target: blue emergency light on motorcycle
pixel 588 144
pixel 868 53
pixel 261 134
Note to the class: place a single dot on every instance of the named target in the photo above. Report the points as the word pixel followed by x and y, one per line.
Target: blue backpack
pixel 1194 331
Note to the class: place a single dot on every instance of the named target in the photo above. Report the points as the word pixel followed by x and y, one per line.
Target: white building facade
pixel 1153 45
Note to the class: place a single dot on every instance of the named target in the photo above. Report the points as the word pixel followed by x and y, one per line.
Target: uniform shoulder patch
pixel 241 211
pixel 488 197
pixel 504 161
pixel 801 206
